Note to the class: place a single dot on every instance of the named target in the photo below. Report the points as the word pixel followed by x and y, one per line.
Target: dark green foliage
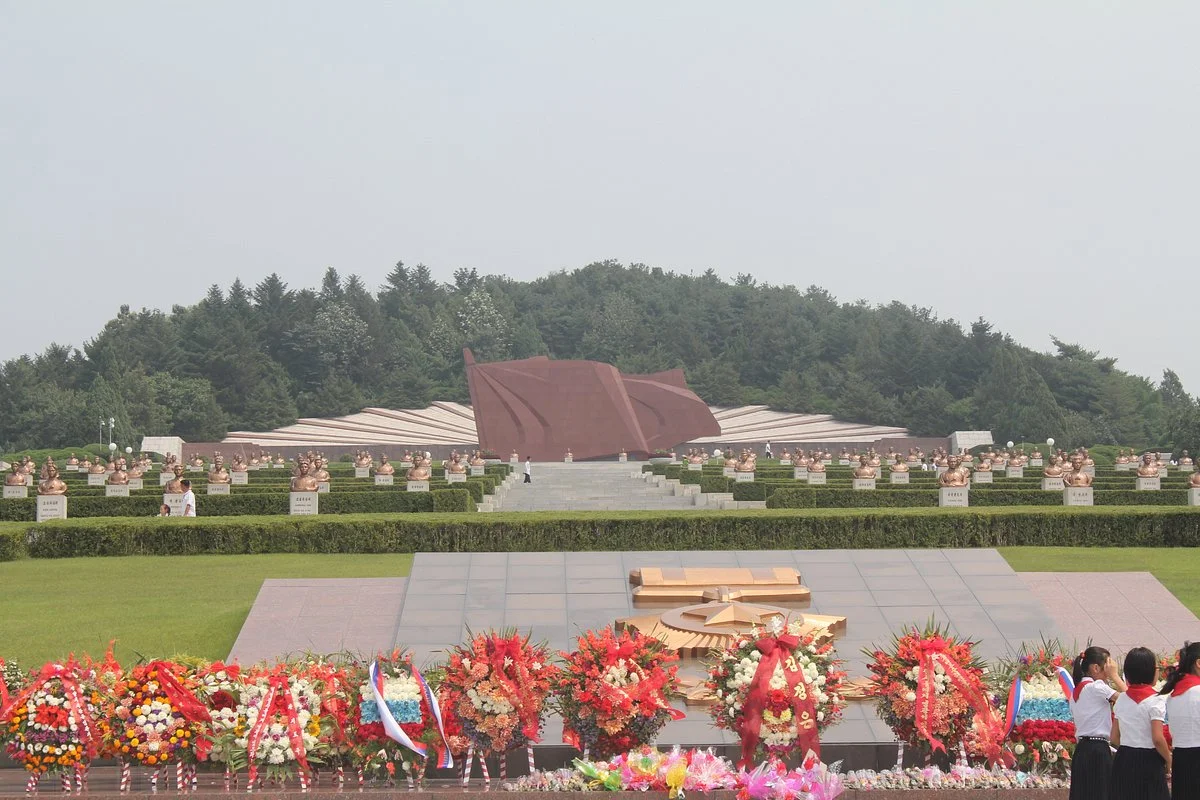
pixel 255 358
pixel 395 501
pixel 740 530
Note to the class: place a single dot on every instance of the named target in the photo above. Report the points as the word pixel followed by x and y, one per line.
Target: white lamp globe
pixel 1009 444
pixel 128 450
pixel 112 446
pixel 1050 442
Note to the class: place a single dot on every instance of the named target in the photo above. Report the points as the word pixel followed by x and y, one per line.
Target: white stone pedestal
pixel 302 503
pixel 800 473
pixel 697 467
pixel 406 465
pixel 1162 471
pixel 981 477
pixel 1122 467
pixel 477 472
pixel 620 459
pixel 1194 497
pixel 51 506
pixel 80 468
pixel 384 480
pixel 418 486
pixel 456 477
pixel 1186 469
pixel 953 497
pixel 96 478
pixel 743 477
pixel 1149 484
pixel 116 490
pixel 1035 462
pixel 136 484
pixel 515 461
pixel 16 492
pixel 240 478
pixel 569 460
pixel 827 462
pixel 864 484
pixel 323 487
pixel 362 472
pixel 844 462
pixel 728 471
pixel 175 503
pixel 1015 472
pixel 1052 484
pixel 1090 469
pixel 1078 496
pixel 816 479
pixel 218 488
pixel 165 477
pixel 899 477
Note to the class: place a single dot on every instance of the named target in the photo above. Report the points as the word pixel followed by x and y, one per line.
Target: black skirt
pixel 1185 773
pixel 1091 770
pixel 1139 773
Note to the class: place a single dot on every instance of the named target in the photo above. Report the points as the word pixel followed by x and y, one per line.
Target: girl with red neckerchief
pixel 1143 757
pixel 1182 691
pixel 1091 707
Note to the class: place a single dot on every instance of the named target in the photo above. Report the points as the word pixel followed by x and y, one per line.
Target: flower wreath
pixel 612 693
pixel 777 688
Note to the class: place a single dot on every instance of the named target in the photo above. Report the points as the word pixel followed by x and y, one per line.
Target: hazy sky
pixel 1034 163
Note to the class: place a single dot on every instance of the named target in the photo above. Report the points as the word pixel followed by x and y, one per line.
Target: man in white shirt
pixel 189 499
pixel 528 471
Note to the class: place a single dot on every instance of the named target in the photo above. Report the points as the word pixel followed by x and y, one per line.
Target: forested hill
pixel 256 358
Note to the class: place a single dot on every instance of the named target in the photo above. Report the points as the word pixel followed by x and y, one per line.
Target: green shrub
pixel 453 500
pixel 396 501
pixel 715 484
pixel 750 491
pixel 500 532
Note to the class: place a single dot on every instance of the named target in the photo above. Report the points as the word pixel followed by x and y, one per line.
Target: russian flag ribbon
pixel 445 760
pixel 1015 696
pixel 390 726
pixel 1066 682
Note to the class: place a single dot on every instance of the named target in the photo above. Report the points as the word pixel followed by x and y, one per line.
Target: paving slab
pixel 1082 606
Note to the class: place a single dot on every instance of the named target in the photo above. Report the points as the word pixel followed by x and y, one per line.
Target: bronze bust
pixel 53 485
pixel 304 482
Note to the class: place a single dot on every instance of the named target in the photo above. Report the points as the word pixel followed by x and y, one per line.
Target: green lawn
pixel 1177 568
pixel 152 605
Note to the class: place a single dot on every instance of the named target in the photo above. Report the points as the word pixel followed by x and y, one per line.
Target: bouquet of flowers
pixel 157 720
pixel 337 687
pixel 277 726
pixel 219 686
pixel 51 725
pixel 646 769
pixel 409 700
pixel 777 688
pixel 932 694
pixel 612 693
pixel 1043 745
pixel 1041 730
pixel 497 685
pixel 772 780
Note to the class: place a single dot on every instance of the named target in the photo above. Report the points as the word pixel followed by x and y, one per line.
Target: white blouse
pixel 1135 719
pixel 1092 712
pixel 1184 713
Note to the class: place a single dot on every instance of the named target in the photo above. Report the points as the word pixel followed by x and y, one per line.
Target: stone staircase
pixel 590 486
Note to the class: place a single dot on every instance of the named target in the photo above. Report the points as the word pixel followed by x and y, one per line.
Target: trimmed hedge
pixel 915 498
pixel 397 501
pixel 743 530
